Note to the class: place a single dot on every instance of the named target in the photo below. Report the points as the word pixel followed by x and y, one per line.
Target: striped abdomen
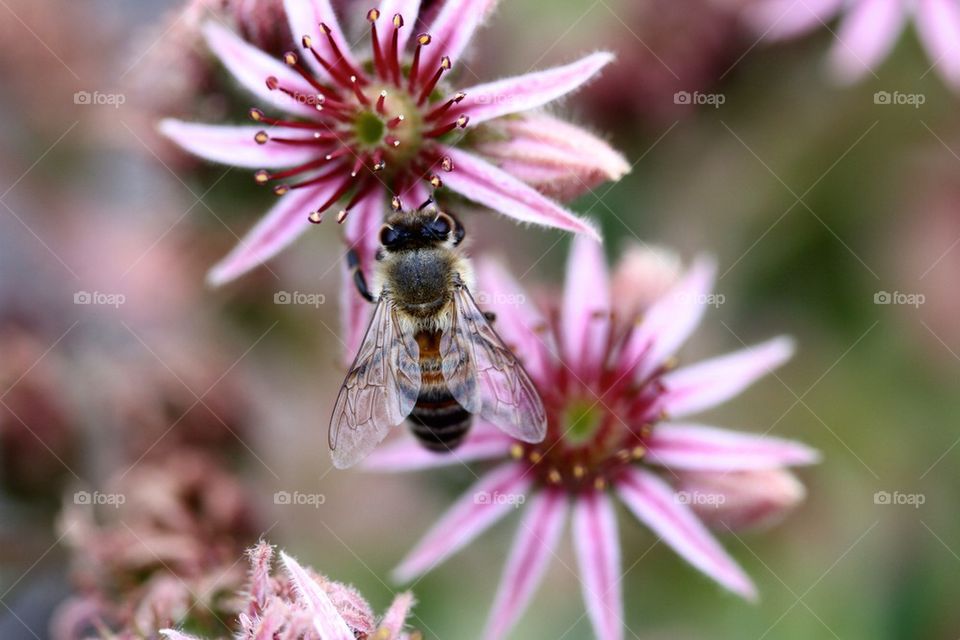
pixel 437 420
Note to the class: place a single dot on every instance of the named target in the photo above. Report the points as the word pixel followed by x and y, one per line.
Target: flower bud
pixel 743 499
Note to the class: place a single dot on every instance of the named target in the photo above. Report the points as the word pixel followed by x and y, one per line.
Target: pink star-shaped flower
pixel 361 130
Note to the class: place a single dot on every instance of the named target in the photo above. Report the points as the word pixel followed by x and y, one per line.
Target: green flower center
pixel 369 129
pixel 581 421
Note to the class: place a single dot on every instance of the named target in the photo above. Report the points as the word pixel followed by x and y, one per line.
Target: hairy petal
pixel 529 91
pixel 326 619
pixel 559 159
pixel 598 557
pixel 938 22
pixel 670 321
pixel 234 145
pixel 535 543
pixel 706 384
pixel 305 17
pixel 519 322
pixel 585 311
pixel 482 182
pixel 453 28
pixel 866 35
pixel 656 504
pixel 276 230
pixel 361 232
pixel 396 616
pixel 475 512
pixel 251 67
pixel 405 453
pixel 702 448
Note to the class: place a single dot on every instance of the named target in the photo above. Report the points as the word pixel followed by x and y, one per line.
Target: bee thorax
pixel 419 281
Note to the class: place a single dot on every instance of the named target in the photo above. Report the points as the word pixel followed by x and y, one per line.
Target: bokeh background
pixel 198 405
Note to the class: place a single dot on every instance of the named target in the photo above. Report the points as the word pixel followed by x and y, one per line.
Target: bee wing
pixel 485 377
pixel 379 391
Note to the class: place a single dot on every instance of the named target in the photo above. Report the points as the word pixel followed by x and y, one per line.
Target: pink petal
pixel 741 500
pixel 453 28
pixel 414 195
pixel 396 616
pixel 234 145
pixel 559 159
pixel 866 35
pixel 532 549
pixel 409 10
pixel 700 448
pixel 274 232
pixel 481 182
pixel 173 634
pixel 251 67
pixel 484 503
pixel 644 274
pixel 938 22
pixel 585 311
pixel 326 618
pixel 529 91
pixel 362 233
pixel 598 557
pixel 655 504
pixel 405 453
pixel 519 322
pixel 706 384
pixel 781 19
pixel 305 17
pixel 670 321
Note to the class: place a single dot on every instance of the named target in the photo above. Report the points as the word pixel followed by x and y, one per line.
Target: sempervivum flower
pixel 362 129
pixel 162 550
pixel 868 30
pixel 617 428
pixel 304 605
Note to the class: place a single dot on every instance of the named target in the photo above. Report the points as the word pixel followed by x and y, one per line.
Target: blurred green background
pixel 813 198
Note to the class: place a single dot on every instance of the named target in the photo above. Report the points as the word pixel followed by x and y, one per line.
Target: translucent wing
pixel 379 391
pixel 485 377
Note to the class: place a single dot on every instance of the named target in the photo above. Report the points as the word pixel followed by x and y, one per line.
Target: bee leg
pixel 490 316
pixel 353 262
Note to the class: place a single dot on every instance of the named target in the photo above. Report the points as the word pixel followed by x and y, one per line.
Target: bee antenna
pixel 427 203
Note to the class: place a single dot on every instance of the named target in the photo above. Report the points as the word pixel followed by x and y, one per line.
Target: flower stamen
pixel 460 123
pixel 428 88
pixel 422 40
pixel 341 61
pixel 443 108
pixel 372 16
pixel 395 48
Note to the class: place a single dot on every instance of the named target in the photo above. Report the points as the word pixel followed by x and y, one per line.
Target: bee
pixel 430 355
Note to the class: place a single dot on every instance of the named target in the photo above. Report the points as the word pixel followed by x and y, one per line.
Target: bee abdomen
pixel 440 424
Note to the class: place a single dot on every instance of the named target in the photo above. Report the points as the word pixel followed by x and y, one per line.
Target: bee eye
pixel 442 225
pixel 389 236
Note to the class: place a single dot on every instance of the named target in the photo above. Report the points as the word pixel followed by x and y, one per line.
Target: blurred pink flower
pixel 616 427
pixel 37 427
pixel 162 544
pixel 868 30
pixel 306 606
pixel 664 47
pixel 361 131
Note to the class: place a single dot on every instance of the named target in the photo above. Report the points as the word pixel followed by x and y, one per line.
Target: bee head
pixel 426 227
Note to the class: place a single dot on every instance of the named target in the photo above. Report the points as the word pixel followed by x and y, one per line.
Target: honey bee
pixel 430 354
